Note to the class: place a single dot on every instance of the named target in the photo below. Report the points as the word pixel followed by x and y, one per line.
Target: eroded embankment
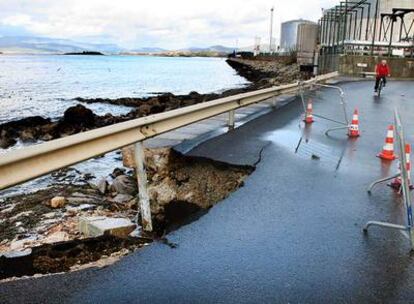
pixel 181 189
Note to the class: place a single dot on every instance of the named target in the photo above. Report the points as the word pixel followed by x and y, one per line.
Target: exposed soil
pixel 181 188
pixel 63 256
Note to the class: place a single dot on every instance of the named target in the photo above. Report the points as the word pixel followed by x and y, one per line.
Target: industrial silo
pixel 289 32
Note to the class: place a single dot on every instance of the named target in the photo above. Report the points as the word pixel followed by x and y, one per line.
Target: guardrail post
pixel 144 202
pixel 231 120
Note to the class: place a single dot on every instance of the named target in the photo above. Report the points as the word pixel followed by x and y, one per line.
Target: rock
pixel 81 207
pixel 50 215
pixel 101 225
pixel 124 184
pixel 164 192
pixel 17 253
pixel 117 172
pixel 128 158
pixel 6 142
pixel 58 202
pixel 81 200
pixel 144 109
pixel 18 245
pixel 59 236
pixel 79 115
pixel 27 135
pixel 122 198
pixel 102 186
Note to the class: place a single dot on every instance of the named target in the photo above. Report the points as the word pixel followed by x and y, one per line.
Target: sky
pixel 170 24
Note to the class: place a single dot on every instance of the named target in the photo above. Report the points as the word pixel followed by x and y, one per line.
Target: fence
pixel 407 229
pixel 28 163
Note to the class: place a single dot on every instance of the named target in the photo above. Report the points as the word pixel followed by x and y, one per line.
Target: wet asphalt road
pixel 292 234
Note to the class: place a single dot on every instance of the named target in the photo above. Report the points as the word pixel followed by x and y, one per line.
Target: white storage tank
pixel 288 35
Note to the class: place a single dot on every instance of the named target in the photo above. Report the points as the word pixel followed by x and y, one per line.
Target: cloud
pixel 170 24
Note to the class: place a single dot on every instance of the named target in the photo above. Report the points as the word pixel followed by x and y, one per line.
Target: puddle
pixel 302 144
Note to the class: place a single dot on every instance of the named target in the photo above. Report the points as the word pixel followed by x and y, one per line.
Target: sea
pixel 46 85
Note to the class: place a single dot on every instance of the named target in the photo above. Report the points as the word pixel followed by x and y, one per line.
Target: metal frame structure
pixel 407 229
pixel 28 163
pixel 344 124
pixel 358 27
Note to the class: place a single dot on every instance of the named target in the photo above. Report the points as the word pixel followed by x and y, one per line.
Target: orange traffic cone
pixel 353 130
pixel 388 149
pixel 308 114
pixel 396 183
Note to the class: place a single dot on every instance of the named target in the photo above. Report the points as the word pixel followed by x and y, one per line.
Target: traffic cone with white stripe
pixel 387 152
pixel 396 183
pixel 353 130
pixel 308 114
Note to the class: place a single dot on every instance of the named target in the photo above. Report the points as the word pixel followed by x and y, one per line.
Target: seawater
pixel 47 84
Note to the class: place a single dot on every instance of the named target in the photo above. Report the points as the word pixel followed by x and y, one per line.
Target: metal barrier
pixel 406 230
pixel 28 163
pixel 344 124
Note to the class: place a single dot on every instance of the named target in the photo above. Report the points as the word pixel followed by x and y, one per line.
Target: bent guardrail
pixel 31 162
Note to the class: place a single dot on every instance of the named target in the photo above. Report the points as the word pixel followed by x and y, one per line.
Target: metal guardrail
pixel 28 163
pixel 34 161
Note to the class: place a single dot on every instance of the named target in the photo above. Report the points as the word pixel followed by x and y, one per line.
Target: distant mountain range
pixel 42 45
pixel 23 44
pixel 214 48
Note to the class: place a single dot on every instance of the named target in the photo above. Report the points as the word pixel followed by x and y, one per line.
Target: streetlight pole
pixel 271 29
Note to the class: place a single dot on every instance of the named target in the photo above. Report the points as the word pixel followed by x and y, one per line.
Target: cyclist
pixel 382 70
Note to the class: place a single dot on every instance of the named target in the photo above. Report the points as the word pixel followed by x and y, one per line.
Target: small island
pixel 85 53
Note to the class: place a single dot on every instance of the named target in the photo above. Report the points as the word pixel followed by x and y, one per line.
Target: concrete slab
pixel 101 225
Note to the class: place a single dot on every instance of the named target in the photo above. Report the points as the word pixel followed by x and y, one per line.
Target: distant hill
pixel 148 50
pixel 23 44
pixel 214 48
pixel 43 45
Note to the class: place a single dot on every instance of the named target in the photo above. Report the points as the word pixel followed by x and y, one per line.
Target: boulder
pixel 164 192
pixel 102 186
pixel 117 172
pixel 122 198
pixel 124 184
pixel 58 202
pixel 79 115
pixel 144 109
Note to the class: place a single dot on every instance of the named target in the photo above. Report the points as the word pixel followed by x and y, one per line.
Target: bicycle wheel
pixel 380 87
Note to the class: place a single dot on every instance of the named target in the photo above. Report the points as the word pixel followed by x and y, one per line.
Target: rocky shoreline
pixel 79 118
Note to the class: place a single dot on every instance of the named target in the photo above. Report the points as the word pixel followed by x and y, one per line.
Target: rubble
pixel 181 188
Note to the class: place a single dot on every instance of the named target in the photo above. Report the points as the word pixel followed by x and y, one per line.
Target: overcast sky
pixel 156 23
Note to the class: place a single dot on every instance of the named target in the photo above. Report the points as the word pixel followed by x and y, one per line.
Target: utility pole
pixel 271 29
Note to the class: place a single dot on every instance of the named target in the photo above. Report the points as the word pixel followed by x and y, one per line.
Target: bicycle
pixel 380 86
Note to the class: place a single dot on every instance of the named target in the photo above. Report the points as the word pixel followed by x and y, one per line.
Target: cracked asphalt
pixel 292 234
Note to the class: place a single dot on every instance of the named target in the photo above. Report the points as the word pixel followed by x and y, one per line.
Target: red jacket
pixel 382 70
